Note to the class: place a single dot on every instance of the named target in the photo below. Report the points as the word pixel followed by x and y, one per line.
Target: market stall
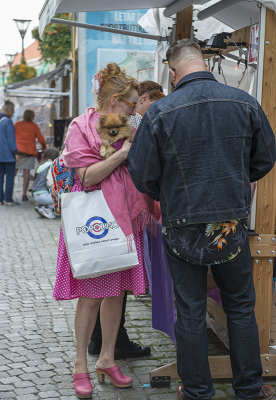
pixel 240 17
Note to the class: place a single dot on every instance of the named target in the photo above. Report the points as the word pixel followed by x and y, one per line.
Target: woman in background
pixel 148 93
pixel 26 133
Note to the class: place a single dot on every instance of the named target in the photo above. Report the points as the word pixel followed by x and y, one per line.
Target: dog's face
pixel 112 123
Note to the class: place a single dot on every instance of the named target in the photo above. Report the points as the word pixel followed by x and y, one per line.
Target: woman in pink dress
pixel 116 93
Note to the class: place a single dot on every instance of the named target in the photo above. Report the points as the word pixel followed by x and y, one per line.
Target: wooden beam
pixel 215 311
pixel 242 35
pixel 184 23
pixel 266 193
pixel 262 274
pixel 263 245
pixel 272 341
pixel 220 367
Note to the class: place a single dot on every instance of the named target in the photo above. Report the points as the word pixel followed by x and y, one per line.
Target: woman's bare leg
pixel 111 312
pixel 85 319
pixel 26 181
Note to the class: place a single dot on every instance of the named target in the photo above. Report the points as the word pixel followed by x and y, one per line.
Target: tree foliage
pixel 55 44
pixel 21 72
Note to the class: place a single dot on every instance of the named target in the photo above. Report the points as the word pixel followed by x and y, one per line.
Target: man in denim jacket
pixel 8 153
pixel 197 150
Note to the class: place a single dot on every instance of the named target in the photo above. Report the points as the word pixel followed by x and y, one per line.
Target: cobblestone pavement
pixel 36 333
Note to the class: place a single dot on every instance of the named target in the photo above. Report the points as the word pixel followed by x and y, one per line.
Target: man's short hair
pixel 8 105
pixel 182 49
pixel 28 115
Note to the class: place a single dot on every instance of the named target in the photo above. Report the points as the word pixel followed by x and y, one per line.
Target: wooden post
pixel 266 193
pixel 184 23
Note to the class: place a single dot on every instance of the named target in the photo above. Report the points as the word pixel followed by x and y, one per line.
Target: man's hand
pixel 125 149
pixel 17 157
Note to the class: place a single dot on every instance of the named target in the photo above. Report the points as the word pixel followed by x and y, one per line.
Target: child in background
pixel 44 204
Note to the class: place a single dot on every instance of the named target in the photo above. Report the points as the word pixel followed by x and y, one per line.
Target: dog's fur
pixel 112 127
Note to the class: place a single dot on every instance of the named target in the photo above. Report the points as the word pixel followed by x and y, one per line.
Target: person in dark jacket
pixel 8 153
pixel 197 150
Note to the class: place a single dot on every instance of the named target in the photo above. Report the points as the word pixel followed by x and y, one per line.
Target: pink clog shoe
pixel 115 375
pixel 82 386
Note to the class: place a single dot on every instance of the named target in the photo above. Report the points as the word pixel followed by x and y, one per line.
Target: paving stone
pixel 7 395
pixel 167 396
pixel 49 395
pixel 24 384
pixel 26 397
pixel 25 391
pixel 6 388
pixel 28 377
pixel 10 380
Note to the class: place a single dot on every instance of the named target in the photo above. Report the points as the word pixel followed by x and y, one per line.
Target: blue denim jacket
pixel 197 150
pixel 8 147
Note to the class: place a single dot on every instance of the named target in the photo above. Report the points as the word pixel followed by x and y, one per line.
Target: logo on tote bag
pixel 97 227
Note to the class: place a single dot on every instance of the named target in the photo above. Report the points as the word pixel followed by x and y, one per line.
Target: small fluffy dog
pixel 111 128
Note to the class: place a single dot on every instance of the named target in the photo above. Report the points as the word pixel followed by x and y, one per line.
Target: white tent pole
pixel 215 8
pixel 38 92
pixel 82 70
pixel 71 95
pixel 111 30
pixel 260 69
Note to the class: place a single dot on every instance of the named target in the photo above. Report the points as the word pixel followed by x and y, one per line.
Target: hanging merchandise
pixel 220 69
pixel 242 52
pixel 254 44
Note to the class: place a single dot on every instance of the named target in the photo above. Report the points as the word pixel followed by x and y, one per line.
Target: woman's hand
pixel 100 170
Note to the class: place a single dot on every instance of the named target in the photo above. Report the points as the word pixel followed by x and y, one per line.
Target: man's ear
pixel 102 118
pixel 144 98
pixel 173 74
pixel 123 118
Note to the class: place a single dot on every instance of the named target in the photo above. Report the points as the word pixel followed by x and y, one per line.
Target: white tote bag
pixel 95 243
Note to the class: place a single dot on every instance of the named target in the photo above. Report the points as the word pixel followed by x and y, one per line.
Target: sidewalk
pixel 37 345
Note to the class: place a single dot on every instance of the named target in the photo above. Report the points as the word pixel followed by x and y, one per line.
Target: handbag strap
pixel 82 183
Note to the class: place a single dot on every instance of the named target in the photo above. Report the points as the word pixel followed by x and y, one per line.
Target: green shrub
pixel 55 44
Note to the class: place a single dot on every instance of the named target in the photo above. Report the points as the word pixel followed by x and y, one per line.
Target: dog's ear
pixel 102 118
pixel 123 118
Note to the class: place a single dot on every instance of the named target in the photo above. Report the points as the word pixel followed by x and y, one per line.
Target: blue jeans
pixel 235 282
pixel 8 169
pixel 44 199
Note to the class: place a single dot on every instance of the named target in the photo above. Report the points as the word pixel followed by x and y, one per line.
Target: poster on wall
pixel 134 55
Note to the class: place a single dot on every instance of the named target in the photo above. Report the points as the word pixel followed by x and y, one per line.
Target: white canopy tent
pixel 234 13
pixel 223 15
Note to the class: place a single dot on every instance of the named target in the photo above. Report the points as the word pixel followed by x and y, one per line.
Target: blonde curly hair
pixel 114 81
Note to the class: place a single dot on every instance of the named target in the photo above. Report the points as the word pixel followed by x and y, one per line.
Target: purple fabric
pixel 119 144
pixel 160 282
pixel 215 294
